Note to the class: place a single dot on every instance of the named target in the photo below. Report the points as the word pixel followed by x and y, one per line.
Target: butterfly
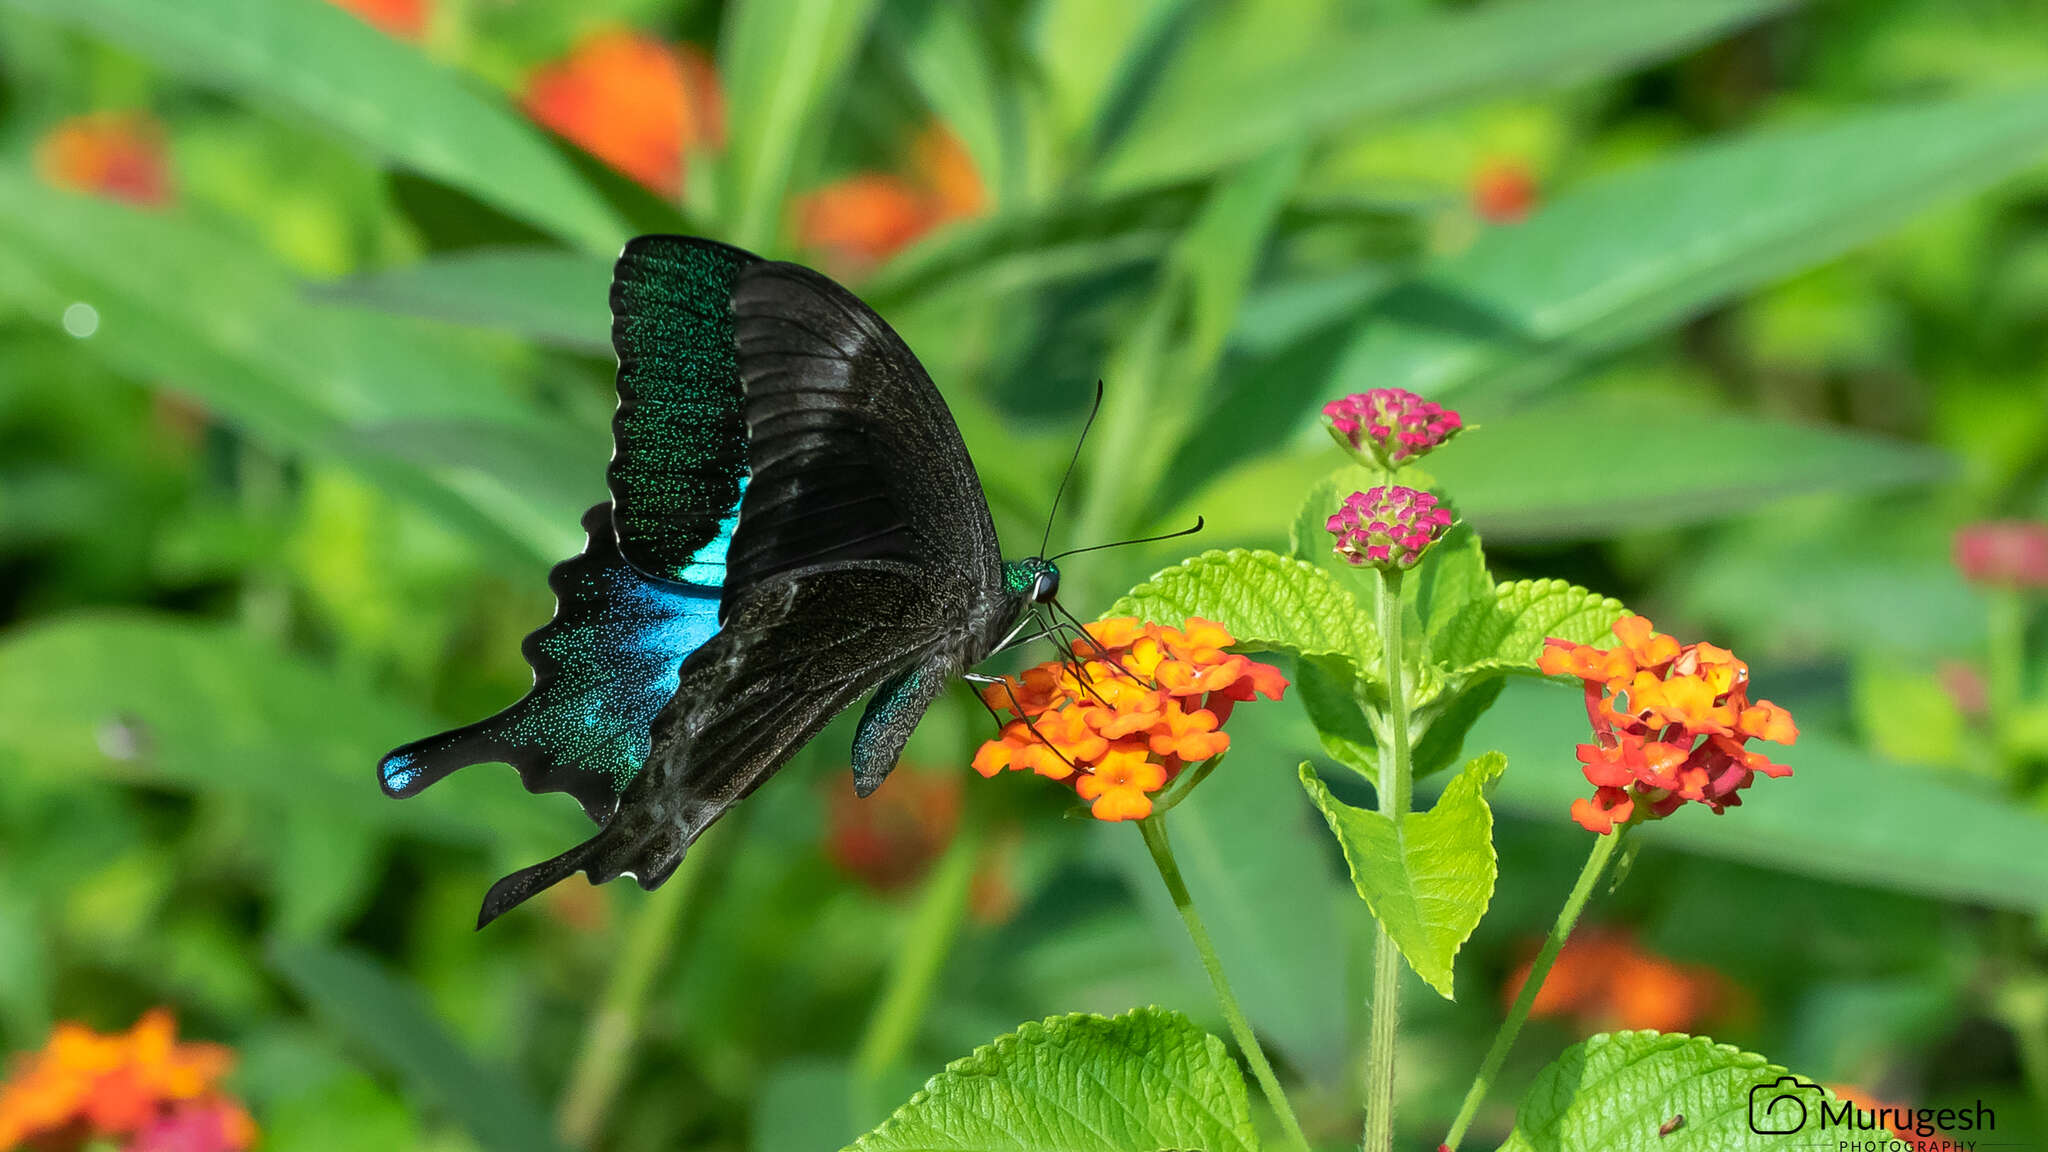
pixel 794 523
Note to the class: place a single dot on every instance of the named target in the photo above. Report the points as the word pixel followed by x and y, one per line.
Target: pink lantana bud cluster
pixel 1388 527
pixel 1392 425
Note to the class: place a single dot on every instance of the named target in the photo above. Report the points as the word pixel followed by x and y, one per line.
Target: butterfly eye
pixel 1046 587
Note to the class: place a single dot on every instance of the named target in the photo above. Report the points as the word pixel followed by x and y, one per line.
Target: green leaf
pixel 1328 691
pixel 946 50
pixel 1268 602
pixel 1140 1082
pixel 1193 123
pixel 206 708
pixel 1618 1091
pixel 1624 257
pixel 183 305
pixel 1533 474
pixel 1428 879
pixel 782 62
pixel 392 1022
pixel 315 59
pixel 548 295
pixel 1506 632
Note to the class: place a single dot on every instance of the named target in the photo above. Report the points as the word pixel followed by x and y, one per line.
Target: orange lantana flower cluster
pixel 1670 724
pixel 141 1088
pixel 1138 703
pixel 1604 980
pixel 633 101
pixel 860 220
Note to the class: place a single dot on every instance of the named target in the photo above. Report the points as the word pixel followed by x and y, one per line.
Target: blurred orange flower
pixel 1684 733
pixel 1604 980
pixel 632 101
pixel 1139 703
pixel 891 838
pixel 865 218
pixel 405 19
pixel 1873 1103
pixel 118 155
pixel 141 1085
pixel 1503 192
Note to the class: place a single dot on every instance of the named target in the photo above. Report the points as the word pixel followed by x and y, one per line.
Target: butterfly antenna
pixel 1069 473
pixel 1140 540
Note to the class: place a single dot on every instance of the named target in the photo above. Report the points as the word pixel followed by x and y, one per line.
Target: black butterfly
pixel 794 522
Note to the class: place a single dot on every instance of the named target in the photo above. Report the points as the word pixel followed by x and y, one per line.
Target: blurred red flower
pixel 141 1086
pixel 2009 553
pixel 405 19
pixel 889 839
pixel 118 155
pixel 1604 980
pixel 865 218
pixel 1503 192
pixel 632 101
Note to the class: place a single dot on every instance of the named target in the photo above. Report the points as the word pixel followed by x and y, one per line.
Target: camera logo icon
pixel 1779 1108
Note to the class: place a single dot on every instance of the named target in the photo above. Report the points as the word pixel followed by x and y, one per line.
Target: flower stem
pixel 920 956
pixel 1396 772
pixel 1154 831
pixel 603 1058
pixel 1589 878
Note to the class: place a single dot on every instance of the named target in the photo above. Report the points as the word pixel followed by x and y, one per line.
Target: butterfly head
pixel 1037 580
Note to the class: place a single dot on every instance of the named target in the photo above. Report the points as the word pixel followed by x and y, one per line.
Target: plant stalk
pixel 920 957
pixel 1604 848
pixel 1396 778
pixel 1153 828
pixel 604 1057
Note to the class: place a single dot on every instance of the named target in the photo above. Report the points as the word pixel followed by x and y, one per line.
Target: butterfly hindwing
pixel 603 668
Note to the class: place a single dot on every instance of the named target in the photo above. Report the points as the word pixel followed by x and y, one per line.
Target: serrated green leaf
pixel 391 1021
pixel 1268 602
pixel 317 59
pixel 1618 1092
pixel 1428 879
pixel 1506 633
pixel 1451 575
pixel 1140 1082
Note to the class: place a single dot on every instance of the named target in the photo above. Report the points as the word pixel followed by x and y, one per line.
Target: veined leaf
pixel 1620 1092
pixel 1147 1080
pixel 1266 600
pixel 1625 257
pixel 1428 877
pixel 317 58
pixel 1505 632
pixel 1195 121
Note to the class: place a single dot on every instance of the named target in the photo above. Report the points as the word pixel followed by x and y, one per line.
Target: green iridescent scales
pixel 679 463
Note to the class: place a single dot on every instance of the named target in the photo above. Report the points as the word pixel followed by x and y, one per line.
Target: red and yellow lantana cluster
pixel 1670 724
pixel 860 220
pixel 1134 707
pixel 141 1088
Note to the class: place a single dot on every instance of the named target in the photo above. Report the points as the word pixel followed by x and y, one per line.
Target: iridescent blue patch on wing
pixel 706 567
pixel 604 668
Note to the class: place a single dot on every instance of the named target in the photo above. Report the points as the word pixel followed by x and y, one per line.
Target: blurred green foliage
pixel 283 494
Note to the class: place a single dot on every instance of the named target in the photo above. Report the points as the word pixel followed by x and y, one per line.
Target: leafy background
pixel 1747 297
